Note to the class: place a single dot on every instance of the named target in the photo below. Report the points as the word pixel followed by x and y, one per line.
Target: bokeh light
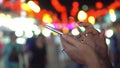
pixel 91 20
pixel 65 30
pixel 25 7
pixel 47 19
pixel 82 15
pixel 46 32
pixel 99 5
pixel 20 40
pixel 19 33
pixel 75 32
pixel 34 6
pixel 82 28
pixel 109 33
pixel 28 34
pixel 112 15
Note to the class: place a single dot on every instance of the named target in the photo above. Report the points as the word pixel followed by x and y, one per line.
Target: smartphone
pixel 60 33
pixel 53 29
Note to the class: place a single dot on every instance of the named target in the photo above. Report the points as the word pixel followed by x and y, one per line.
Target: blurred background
pixel 27 19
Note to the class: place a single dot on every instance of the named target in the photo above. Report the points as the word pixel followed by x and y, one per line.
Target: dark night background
pixel 91 3
pixel 46 4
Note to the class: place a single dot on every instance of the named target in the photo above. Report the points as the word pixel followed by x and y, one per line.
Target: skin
pixel 80 52
pixel 96 40
pixel 92 51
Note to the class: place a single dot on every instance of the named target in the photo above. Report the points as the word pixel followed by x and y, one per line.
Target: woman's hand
pixel 80 52
pixel 97 41
pixel 90 46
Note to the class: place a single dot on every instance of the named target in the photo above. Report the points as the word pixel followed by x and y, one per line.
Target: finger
pixel 65 42
pixel 71 40
pixel 67 46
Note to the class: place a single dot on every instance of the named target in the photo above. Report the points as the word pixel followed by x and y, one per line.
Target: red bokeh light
pixel 75 8
pixel 99 5
pixel 58 7
pixel 75 4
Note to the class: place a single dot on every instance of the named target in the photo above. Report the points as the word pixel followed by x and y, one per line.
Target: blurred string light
pixel 74 10
pixel 82 15
pixel 33 6
pixel 58 6
pixel 112 15
pixel 47 19
pixel 20 40
pixel 91 20
pixel 75 32
pixel 114 5
pixel 61 9
pixel 109 33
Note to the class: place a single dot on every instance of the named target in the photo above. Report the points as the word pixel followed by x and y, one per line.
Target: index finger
pixel 71 40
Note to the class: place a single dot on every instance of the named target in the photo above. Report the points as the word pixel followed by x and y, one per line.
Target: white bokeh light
pixel 109 33
pixel 20 40
pixel 75 32
pixel 19 33
pixel 46 32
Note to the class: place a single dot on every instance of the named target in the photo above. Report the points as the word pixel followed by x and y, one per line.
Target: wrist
pixel 106 63
pixel 93 62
